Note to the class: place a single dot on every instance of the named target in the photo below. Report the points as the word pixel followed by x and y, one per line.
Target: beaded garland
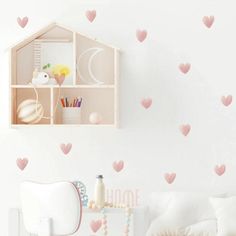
pixel 128 212
pixel 82 190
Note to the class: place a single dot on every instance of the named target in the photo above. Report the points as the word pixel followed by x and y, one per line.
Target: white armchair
pixel 50 209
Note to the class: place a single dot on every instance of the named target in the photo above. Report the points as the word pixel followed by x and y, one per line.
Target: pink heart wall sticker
pixel 141 35
pixel 95 225
pixel 184 68
pixel 146 102
pixel 227 100
pixel 66 148
pixel 185 129
pixel 22 22
pixel 118 166
pixel 91 15
pixel 208 21
pixel 22 163
pixel 220 170
pixel 170 177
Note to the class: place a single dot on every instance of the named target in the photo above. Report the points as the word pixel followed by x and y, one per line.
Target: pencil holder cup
pixel 71 115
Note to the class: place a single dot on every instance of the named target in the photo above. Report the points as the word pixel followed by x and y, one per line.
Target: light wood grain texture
pixel 74 58
pixel 66 86
pixel 116 89
pixel 100 98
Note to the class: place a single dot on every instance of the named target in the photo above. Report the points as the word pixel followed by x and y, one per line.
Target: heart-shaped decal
pixel 95 225
pixel 170 177
pixel 22 22
pixel 60 79
pixel 91 15
pixel 66 148
pixel 184 68
pixel 185 129
pixel 118 166
pixel 146 102
pixel 141 35
pixel 220 170
pixel 208 21
pixel 22 163
pixel 227 100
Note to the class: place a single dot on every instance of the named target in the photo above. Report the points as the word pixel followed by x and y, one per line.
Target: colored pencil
pixel 62 102
pixel 76 102
pixel 80 102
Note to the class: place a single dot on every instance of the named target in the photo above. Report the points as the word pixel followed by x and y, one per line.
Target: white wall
pixel 149 141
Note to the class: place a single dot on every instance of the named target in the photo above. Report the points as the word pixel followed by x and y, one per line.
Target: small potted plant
pixel 60 72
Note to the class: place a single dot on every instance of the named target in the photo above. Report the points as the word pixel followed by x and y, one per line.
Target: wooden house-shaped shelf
pixel 94 74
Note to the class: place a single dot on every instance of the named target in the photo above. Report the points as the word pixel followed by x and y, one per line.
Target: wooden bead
pixel 127 212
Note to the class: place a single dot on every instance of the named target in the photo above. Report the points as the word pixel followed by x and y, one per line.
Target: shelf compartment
pixel 94 60
pixel 21 94
pixel 36 55
pixel 26 56
pixel 94 100
pixel 56 46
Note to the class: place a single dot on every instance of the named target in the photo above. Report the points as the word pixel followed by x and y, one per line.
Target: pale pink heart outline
pixel 220 170
pixel 185 67
pixel 95 225
pixel 22 163
pixel 22 22
pixel 185 129
pixel 118 166
pixel 146 102
pixel 66 148
pixel 227 100
pixel 208 21
pixel 59 78
pixel 141 35
pixel 170 177
pixel 91 15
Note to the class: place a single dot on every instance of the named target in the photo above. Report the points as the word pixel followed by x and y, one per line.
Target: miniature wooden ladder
pixel 37 55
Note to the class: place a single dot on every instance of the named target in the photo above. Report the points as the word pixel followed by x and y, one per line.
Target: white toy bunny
pixel 42 78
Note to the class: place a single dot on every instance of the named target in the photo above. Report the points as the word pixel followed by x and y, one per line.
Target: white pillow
pixel 225 210
pixel 188 208
pixel 160 227
pixel 158 203
pixel 203 228
pixel 183 209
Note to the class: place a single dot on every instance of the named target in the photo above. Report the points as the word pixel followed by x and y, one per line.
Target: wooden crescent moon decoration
pixel 93 78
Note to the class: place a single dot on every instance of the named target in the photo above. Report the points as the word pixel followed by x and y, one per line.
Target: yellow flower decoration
pixel 61 70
